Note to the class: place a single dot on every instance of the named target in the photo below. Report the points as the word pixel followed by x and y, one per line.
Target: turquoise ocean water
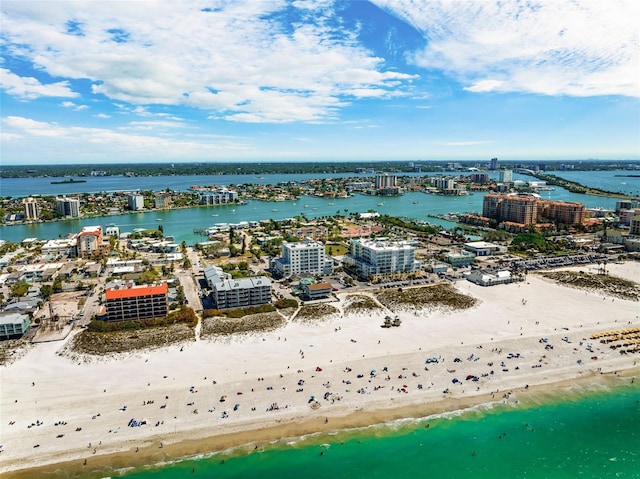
pixel 578 435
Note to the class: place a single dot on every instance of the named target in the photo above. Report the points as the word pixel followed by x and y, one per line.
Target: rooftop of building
pixel 128 290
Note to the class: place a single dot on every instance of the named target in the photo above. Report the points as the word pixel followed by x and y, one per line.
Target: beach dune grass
pixel 102 343
pixel 437 296
pixel 360 303
pixel 220 326
pixel 603 283
pixel 315 312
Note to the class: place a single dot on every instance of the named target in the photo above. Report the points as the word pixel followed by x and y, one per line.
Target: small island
pixel 68 181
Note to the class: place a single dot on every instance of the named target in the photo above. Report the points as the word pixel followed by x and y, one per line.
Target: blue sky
pixel 318 80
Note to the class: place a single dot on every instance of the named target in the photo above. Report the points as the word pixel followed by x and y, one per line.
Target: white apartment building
pixel 506 176
pixel 68 206
pixel 385 180
pixel 31 208
pixel 222 196
pixel 135 201
pixel 305 257
pixel 382 256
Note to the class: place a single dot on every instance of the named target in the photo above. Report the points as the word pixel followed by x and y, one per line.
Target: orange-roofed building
pixel 128 302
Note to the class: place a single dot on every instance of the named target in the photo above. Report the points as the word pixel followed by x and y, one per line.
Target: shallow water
pixel 586 435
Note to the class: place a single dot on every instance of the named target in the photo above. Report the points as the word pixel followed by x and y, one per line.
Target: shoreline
pixel 58 409
pixel 316 429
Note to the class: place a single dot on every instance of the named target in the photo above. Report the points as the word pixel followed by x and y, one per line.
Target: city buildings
pixel 381 256
pixel 528 210
pixel 513 208
pixel 385 180
pixel 316 291
pixel 483 248
pixel 458 260
pixel 562 212
pixel 89 241
pixel 126 302
pixel 228 293
pixel 135 201
pixel 241 293
pixel 31 209
pixel 479 177
pixel 494 164
pixel 506 176
pixel 483 278
pixel 69 207
pixel 635 225
pixel 162 200
pixel 112 230
pixel 304 258
pixel 220 196
pixel 13 325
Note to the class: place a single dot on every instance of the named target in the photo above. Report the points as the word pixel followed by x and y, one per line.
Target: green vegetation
pixel 240 312
pixel 439 296
pixel 285 303
pixel 392 221
pixel 184 315
pixel 497 236
pixel 266 321
pixel 604 284
pixel 533 243
pixel 311 313
pixel 19 289
pixel 575 187
pixel 336 249
pixel 102 343
pixel 148 276
pixel 151 233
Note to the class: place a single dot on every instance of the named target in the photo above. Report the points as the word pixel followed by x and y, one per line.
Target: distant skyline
pixel 104 82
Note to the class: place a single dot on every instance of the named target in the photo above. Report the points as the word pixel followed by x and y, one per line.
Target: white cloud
pixel 485 86
pixel 554 47
pixel 240 59
pixel 75 107
pixel 105 143
pixel 29 88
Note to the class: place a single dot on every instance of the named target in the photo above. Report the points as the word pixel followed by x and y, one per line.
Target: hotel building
pixel 135 201
pixel 68 207
pixel 128 302
pixel 31 209
pixel 89 241
pixel 382 256
pixel 305 257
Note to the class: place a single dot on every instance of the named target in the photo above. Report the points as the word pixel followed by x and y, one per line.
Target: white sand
pixel 89 395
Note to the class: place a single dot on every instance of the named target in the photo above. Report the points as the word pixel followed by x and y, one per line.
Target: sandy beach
pixel 99 415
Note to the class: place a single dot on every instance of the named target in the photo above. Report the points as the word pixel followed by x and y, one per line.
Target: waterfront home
pixel 13 325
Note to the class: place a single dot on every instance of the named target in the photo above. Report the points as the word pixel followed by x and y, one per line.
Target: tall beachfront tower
pixel 494 164
pixel 305 257
pixel 382 256
pixel 385 180
pixel 135 201
pixel 31 209
pixel 126 302
pixel 506 176
pixel 68 206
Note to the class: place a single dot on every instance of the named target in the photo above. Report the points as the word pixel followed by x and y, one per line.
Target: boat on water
pixel 158 219
pixel 275 209
pixel 380 204
pixel 214 215
pixel 69 181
